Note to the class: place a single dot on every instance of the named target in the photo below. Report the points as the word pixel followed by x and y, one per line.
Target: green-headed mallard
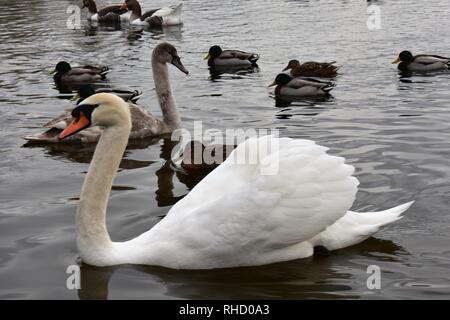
pixel 230 58
pixel 289 86
pixel 84 74
pixel 421 62
pixel 312 69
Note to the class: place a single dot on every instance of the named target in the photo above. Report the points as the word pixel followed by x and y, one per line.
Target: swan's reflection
pixel 83 153
pixel 317 277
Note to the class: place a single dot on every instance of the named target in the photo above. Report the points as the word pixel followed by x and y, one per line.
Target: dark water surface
pixel 395 131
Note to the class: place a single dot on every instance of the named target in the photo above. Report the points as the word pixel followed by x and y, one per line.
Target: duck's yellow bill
pixel 75 97
pixel 272 84
pixel 207 57
pixel 396 60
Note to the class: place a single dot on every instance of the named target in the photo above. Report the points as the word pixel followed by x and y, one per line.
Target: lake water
pixel 394 130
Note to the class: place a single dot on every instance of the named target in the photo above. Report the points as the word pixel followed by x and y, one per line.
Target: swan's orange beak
pixel 75 126
pixel 123 6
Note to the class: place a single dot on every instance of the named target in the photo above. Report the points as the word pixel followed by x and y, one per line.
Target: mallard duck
pixel 421 62
pixel 289 86
pixel 312 69
pixel 198 157
pixel 88 90
pixel 64 73
pixel 109 14
pixel 144 123
pixel 238 215
pixel 230 58
pixel 165 16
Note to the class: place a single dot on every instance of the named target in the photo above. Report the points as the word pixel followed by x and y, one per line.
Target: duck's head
pixel 62 67
pixel 83 92
pixel 101 109
pixel 281 79
pixel 90 4
pixel 214 52
pixel 404 56
pixel 131 5
pixel 292 64
pixel 167 53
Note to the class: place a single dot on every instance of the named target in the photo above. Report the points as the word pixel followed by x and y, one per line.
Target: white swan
pixel 235 216
pixel 144 123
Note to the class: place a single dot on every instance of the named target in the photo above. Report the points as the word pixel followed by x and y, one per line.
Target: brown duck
pixel 312 69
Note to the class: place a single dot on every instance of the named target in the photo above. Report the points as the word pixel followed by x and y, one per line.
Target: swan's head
pixel 281 79
pixel 214 52
pixel 167 53
pixel 404 56
pixel 101 109
pixel 292 64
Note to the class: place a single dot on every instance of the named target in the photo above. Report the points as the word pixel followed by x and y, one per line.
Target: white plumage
pixel 238 217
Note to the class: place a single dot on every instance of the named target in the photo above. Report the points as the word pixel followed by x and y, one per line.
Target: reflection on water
pixel 221 73
pixel 308 278
pixel 393 128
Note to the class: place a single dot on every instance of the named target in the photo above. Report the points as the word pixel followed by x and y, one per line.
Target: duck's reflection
pixel 311 101
pixel 218 73
pixel 304 106
pixel 318 277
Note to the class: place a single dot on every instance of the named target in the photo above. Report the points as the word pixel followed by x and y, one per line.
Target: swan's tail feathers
pixel 355 227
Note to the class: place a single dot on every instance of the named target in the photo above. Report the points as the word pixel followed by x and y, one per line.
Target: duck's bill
pixel 75 126
pixel 396 60
pixel 285 69
pixel 75 97
pixel 272 84
pixel 176 61
pixel 207 57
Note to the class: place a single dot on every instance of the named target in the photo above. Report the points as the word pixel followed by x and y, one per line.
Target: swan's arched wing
pixel 235 205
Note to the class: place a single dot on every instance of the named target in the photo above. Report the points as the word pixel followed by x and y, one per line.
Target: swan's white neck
pixel 171 117
pixel 92 235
